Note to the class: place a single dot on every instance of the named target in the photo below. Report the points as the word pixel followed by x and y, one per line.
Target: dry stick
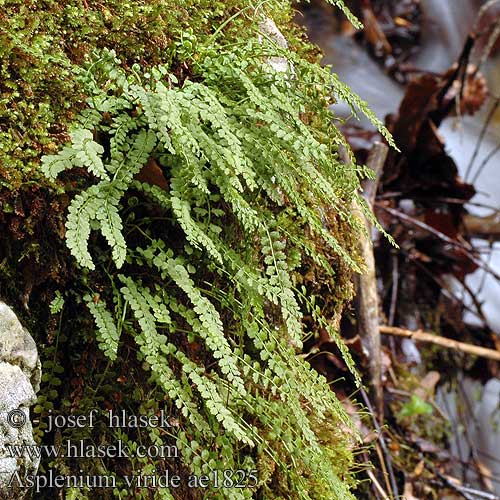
pixel 438 199
pixel 394 298
pixel 370 474
pixel 424 226
pixel 445 289
pixel 489 258
pixel 381 459
pixel 479 494
pixel 483 227
pixel 367 303
pixel 382 442
pixel 377 485
pixel 421 336
pixel 465 491
pixel 394 291
pixel 479 309
pixel 482 12
pixel 489 45
pixel 454 486
pixel 376 160
pixel 484 56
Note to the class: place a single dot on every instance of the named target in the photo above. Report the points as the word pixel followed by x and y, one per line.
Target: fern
pixel 278 284
pixel 217 317
pixel 82 211
pixel 88 152
pixel 153 344
pixel 208 323
pixel 53 165
pixel 107 333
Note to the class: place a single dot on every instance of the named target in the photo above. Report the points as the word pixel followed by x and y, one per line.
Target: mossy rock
pixel 43 46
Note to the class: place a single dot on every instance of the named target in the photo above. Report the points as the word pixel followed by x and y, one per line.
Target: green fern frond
pixel 249 156
pixel 82 211
pixel 88 152
pixel 107 332
pixel 53 165
pixel 152 344
pixel 350 16
pixel 108 216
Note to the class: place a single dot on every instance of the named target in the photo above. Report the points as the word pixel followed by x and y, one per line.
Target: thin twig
pixel 375 161
pixel 473 466
pixel 490 250
pixel 489 44
pixel 444 199
pixel 422 225
pixel 479 494
pixel 382 442
pixel 451 484
pixel 370 476
pixel 377 485
pixel 482 12
pixel 394 290
pixel 421 336
pixel 394 298
pixel 486 124
pixel 473 296
pixel 445 289
pixel 385 474
pixel 441 236
pixel 483 227
pixel 485 161
pixel 466 491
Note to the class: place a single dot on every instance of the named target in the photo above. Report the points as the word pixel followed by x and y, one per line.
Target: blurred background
pixel 431 70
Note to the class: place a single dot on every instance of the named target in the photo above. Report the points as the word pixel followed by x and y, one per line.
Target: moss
pixel 42 43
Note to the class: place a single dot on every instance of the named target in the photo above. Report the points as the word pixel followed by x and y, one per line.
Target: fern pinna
pixel 247 175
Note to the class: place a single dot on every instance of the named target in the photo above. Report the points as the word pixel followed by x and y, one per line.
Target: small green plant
pixel 415 406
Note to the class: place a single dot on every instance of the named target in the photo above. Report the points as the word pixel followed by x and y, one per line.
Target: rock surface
pixel 20 376
pixel 269 29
